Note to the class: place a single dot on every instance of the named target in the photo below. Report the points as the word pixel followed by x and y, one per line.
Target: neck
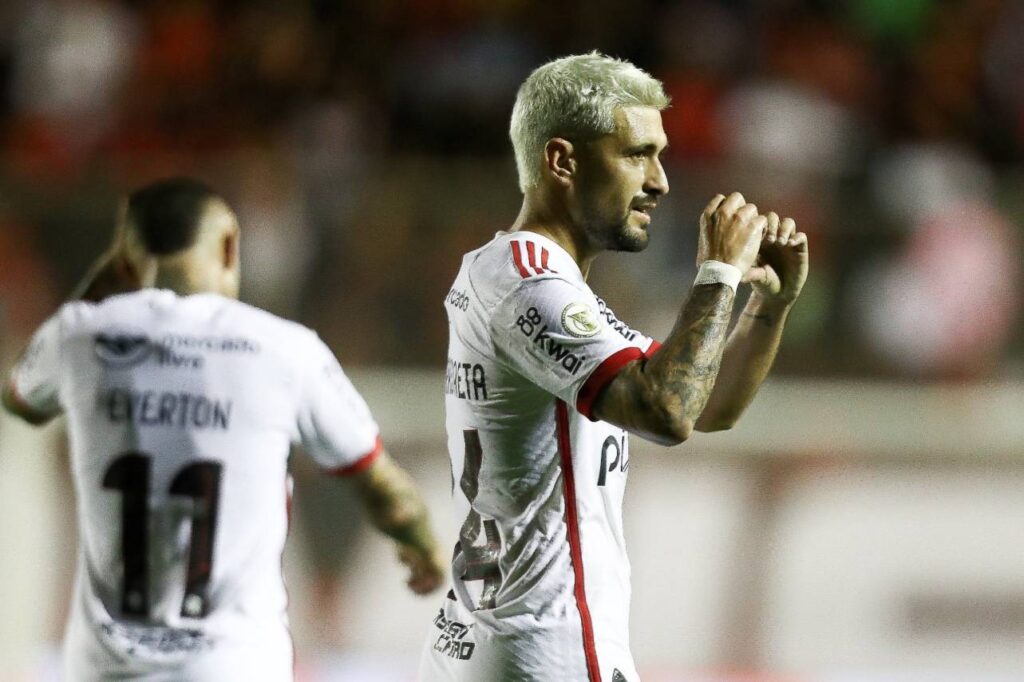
pixel 537 216
pixel 182 280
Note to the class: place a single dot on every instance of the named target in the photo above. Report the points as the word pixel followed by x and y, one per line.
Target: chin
pixel 630 239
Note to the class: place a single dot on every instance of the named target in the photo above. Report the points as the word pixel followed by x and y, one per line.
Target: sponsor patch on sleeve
pixel 580 320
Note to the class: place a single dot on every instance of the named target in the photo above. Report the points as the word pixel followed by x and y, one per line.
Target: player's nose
pixel 656 182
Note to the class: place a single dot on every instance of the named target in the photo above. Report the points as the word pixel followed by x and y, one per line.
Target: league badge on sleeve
pixel 580 320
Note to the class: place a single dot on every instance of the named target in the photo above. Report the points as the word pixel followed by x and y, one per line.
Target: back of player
pixel 181 412
pixel 182 405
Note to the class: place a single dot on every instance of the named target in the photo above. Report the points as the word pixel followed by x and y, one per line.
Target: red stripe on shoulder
pixel 544 259
pixel 601 376
pixel 531 253
pixel 517 258
pixel 361 464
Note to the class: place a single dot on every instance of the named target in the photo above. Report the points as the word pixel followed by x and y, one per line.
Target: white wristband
pixel 717 272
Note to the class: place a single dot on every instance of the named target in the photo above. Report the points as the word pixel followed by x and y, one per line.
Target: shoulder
pixel 122 307
pixel 246 319
pixel 514 260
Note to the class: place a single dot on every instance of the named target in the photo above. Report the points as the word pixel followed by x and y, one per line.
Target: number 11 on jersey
pixel 130 474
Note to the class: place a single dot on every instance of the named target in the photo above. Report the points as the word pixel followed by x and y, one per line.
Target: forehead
pixel 640 126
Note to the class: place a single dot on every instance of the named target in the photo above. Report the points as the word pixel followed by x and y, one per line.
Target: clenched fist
pixel 780 270
pixel 730 232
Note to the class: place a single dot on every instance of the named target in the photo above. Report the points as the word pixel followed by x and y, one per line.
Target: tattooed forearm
pixel 662 397
pixel 692 354
pixel 394 504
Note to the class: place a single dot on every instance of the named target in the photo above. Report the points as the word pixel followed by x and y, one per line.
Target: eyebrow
pixel 647 148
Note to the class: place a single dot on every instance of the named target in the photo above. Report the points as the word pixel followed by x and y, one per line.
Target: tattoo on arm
pixel 662 397
pixel 696 345
pixel 394 504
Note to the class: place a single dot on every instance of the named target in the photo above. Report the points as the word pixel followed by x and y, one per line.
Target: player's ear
pixel 560 160
pixel 229 249
pixel 231 272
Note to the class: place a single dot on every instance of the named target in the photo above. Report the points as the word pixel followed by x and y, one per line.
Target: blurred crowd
pixel 365 147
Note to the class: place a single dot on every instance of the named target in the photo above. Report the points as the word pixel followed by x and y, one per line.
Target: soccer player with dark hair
pixel 545 381
pixel 182 405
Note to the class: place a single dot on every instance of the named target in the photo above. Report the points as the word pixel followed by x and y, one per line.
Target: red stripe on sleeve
pixel 517 258
pixel 652 349
pixel 600 377
pixel 361 464
pixel 575 546
pixel 531 253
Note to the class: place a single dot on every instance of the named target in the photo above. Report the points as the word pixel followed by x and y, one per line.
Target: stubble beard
pixel 618 235
pixel 628 238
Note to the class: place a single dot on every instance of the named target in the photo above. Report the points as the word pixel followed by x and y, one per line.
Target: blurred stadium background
pixel 865 523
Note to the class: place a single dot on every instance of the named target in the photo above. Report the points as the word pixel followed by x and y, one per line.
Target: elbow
pixel 668 440
pixel 676 432
pixel 672 427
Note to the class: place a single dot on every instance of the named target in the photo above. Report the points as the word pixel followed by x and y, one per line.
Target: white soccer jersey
pixel 540 578
pixel 181 412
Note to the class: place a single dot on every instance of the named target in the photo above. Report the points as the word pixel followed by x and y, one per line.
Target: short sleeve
pixel 335 425
pixel 561 337
pixel 35 379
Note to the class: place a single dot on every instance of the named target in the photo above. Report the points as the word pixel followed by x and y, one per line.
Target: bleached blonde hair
pixel 575 97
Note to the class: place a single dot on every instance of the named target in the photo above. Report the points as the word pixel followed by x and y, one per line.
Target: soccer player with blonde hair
pixel 545 382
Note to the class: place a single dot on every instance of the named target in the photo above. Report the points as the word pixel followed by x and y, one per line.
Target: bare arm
pixel 119 269
pixel 777 279
pixel 111 274
pixel 396 509
pixel 745 363
pixel 661 398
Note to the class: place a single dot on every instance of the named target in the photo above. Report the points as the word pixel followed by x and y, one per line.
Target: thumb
pixel 757 274
pixel 764 278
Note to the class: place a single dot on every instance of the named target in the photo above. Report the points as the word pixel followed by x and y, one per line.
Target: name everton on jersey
pixel 166 408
